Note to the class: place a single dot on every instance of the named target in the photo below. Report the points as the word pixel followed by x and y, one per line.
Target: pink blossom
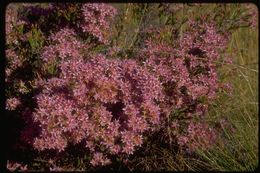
pixel 12 103
pixel 14 166
pixel 99 159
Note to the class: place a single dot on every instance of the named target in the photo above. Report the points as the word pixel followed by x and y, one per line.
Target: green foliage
pixel 238 149
pixel 36 40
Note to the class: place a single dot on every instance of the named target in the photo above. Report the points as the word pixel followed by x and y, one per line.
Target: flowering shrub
pixel 106 102
pixel 188 72
pixel 110 104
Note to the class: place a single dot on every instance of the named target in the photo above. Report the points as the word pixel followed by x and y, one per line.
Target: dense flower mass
pixel 97 19
pixel 109 101
pixel 190 67
pixel 13 63
pixel 188 72
pixel 64 45
pixel 110 104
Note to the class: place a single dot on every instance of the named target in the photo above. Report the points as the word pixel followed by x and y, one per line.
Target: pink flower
pixel 14 166
pixel 182 140
pixel 99 159
pixel 12 103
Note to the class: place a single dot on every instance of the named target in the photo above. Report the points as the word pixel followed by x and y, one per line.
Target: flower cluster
pixel 10 19
pixel 188 72
pixel 198 136
pixel 253 13
pixel 99 159
pixel 12 103
pixel 105 102
pixel 13 62
pixel 64 45
pixel 191 65
pixel 97 18
pixel 16 166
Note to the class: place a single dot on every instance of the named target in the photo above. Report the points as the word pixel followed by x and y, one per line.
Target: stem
pixel 138 29
pixel 125 18
pixel 181 29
